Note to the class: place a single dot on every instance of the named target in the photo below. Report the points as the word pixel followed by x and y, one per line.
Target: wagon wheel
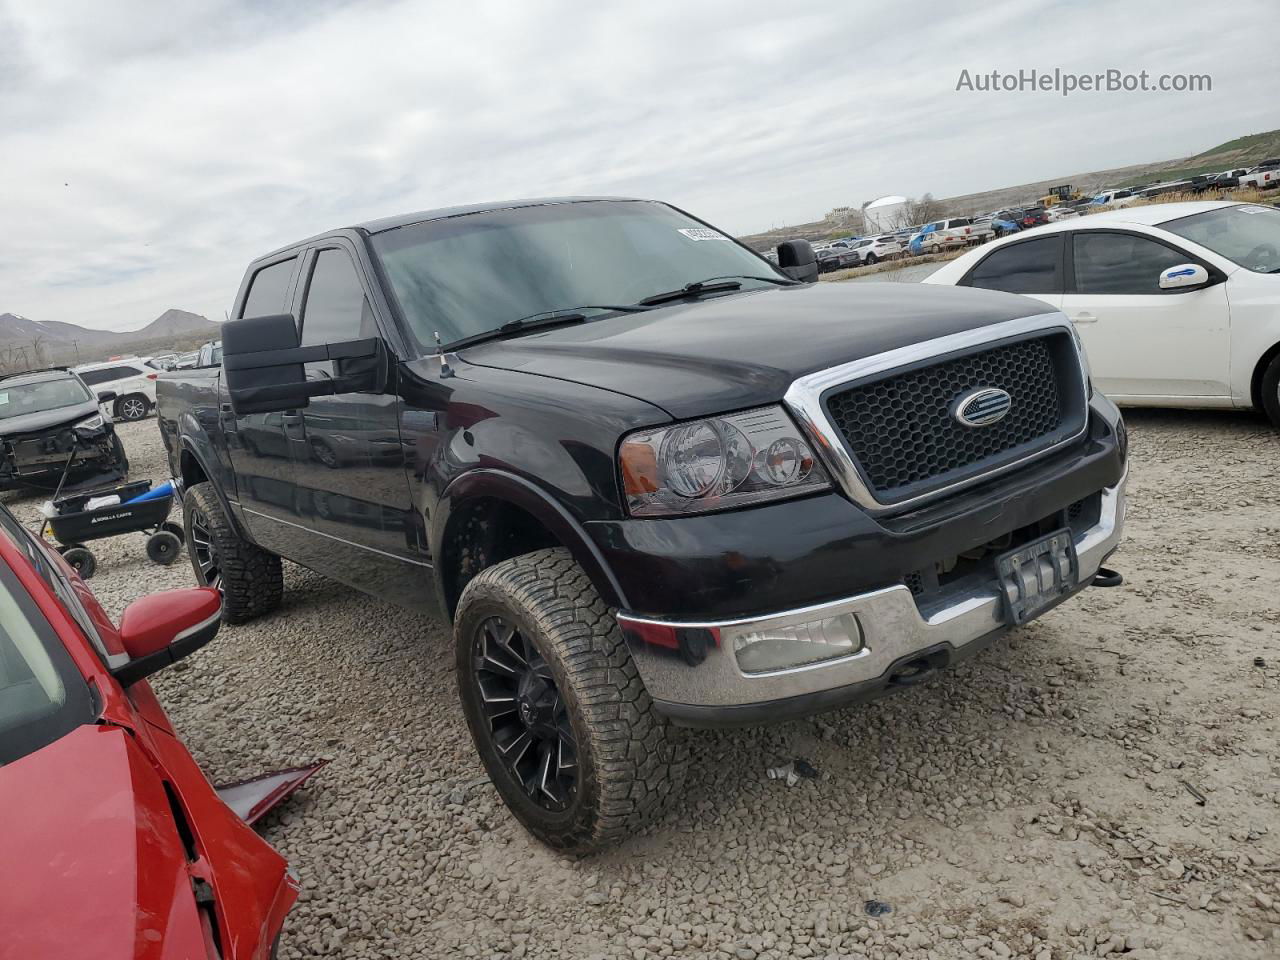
pixel 80 560
pixel 163 547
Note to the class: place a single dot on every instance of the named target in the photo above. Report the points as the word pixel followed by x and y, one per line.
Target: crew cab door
pixel 1145 343
pixel 348 462
pixel 258 443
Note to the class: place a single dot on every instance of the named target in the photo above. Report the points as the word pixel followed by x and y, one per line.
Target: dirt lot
pixel 1037 802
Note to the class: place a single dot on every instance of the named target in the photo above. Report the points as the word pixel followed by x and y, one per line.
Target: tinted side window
pixel 1119 263
pixel 267 290
pixel 335 309
pixel 107 374
pixel 1027 267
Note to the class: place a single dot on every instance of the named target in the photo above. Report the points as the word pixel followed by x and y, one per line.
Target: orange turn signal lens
pixel 639 468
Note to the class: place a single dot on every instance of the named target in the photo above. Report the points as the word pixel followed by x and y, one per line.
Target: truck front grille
pixel 901 432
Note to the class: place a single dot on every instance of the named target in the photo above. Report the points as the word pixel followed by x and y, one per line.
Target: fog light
pixel 762 649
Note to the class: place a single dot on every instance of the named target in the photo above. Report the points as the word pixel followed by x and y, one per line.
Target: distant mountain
pixel 25 342
pixel 173 323
pixel 66 332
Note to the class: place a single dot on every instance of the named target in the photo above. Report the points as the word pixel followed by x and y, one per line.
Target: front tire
pixel 1271 391
pixel 556 708
pixel 250 578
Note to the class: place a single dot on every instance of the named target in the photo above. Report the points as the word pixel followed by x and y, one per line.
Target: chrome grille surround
pixel 804 398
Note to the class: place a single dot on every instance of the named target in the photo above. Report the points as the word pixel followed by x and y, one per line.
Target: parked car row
pixel 1060 203
pixel 858 252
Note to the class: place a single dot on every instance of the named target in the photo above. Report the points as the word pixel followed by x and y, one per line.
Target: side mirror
pixel 106 396
pixel 263 365
pixel 162 628
pixel 797 260
pixel 1182 276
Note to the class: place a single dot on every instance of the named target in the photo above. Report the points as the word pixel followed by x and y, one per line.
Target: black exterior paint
pixel 535 422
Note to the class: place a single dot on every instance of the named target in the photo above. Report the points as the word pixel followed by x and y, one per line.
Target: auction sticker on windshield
pixel 702 233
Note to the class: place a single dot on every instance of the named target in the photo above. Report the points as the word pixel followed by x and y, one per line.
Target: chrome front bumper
pixel 893 628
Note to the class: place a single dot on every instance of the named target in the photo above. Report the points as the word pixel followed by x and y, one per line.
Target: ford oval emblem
pixel 981 408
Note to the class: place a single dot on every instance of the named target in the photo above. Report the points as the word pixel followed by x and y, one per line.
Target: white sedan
pixel 1178 304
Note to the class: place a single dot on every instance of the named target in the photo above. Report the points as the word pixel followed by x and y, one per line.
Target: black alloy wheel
pixel 528 722
pixel 205 550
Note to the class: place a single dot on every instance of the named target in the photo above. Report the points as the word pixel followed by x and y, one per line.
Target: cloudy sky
pixel 150 149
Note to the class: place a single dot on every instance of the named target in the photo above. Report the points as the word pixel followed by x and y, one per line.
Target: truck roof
pixel 383 224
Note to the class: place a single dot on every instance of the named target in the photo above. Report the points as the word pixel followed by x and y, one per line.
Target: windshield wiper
pixel 539 321
pixel 712 285
pixel 780 281
pixel 691 290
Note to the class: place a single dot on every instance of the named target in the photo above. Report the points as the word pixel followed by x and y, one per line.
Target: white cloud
pixel 150 150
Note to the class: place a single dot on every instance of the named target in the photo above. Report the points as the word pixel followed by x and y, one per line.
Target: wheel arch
pixel 1259 371
pixel 192 469
pixel 487 516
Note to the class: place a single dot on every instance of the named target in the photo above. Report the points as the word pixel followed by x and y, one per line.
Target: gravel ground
pixel 1037 802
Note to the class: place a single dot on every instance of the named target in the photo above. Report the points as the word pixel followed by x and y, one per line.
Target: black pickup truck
pixel 651 479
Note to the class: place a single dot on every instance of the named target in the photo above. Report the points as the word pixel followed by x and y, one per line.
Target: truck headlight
pixel 91 423
pixel 718 463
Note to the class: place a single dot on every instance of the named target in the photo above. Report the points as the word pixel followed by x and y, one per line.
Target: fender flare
pixel 496 484
pixel 187 445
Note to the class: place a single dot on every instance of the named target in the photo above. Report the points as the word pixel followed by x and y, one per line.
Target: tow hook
pixel 1106 577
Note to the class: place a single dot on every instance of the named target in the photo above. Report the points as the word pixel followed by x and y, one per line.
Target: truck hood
pixel 34 422
pixel 743 350
pixel 93 863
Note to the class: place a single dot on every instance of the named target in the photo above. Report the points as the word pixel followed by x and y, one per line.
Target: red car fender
pixel 254 888
pixel 91 810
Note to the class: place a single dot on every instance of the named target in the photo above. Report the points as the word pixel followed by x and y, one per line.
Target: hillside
pixel 30 343
pixel 1241 151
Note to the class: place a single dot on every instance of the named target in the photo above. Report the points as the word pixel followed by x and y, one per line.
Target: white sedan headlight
pixel 718 463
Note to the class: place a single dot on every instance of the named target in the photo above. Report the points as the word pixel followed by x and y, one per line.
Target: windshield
pixel 461 276
pixel 42 695
pixel 1248 234
pixel 38 397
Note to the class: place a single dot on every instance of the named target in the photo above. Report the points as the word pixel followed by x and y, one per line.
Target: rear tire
pixel 250 578
pixel 1271 391
pixel 533 633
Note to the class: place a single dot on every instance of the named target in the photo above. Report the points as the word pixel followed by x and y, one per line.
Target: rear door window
pixel 1029 266
pixel 268 289
pixel 107 374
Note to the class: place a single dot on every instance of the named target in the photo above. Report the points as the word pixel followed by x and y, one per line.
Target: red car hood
pixel 80 816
